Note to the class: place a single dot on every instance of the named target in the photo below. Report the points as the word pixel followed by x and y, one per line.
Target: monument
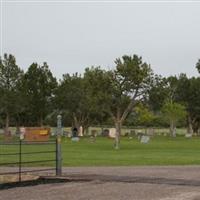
pixel 34 133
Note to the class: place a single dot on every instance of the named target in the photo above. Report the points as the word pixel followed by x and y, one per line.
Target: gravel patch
pixel 111 183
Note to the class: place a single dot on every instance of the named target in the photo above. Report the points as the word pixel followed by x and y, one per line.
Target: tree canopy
pixel 129 94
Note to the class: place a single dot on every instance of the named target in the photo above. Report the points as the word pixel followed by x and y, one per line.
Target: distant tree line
pixel 130 94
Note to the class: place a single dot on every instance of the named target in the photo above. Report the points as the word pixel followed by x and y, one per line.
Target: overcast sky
pixel 72 36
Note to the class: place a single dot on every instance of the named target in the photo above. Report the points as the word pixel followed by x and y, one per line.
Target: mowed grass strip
pixel 159 151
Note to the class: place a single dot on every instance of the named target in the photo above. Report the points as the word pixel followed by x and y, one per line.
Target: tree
pixel 10 78
pixel 170 89
pixel 193 104
pixel 198 65
pixel 158 93
pixel 183 96
pixel 188 94
pixel 193 101
pixel 97 83
pixel 71 99
pixel 173 112
pixel 130 84
pixel 39 87
pixel 119 91
pixel 74 98
pixel 144 115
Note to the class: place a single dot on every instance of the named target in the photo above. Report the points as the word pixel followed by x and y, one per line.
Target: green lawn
pixel 160 151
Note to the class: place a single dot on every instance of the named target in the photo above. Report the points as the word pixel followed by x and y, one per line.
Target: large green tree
pixel 120 90
pixel 193 104
pixel 10 79
pixel 142 115
pixel 39 86
pixel 188 94
pixel 164 90
pixel 173 112
pixel 198 65
pixel 158 93
pixel 184 96
pixel 74 100
pixel 71 100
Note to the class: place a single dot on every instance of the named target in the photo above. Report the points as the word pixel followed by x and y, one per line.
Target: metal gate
pixel 22 157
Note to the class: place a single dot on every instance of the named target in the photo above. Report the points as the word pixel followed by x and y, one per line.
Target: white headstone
pixel 188 135
pixel 22 133
pixel 112 132
pixel 80 131
pixel 145 139
pixel 75 139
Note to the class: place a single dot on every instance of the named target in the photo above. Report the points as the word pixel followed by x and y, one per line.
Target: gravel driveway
pixel 113 183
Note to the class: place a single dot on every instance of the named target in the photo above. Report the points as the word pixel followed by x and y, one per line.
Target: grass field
pixel 160 151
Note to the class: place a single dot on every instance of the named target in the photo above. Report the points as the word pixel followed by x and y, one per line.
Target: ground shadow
pixel 39 181
pixel 136 179
pixel 101 179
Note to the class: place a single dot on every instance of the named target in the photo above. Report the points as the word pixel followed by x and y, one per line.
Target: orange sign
pixel 36 134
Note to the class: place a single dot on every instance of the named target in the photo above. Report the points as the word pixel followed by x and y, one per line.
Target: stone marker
pixel 22 133
pixel 105 133
pixel 150 131
pixel 112 132
pixel 145 139
pixel 80 131
pixel 188 135
pixel 75 137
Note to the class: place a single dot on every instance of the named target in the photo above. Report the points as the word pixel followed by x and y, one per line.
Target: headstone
pixel 105 133
pixel 188 135
pixel 150 131
pixel 145 139
pixel 80 131
pixel 75 132
pixel 22 133
pixel 94 133
pixel 75 139
pixel 112 132
pixel 69 134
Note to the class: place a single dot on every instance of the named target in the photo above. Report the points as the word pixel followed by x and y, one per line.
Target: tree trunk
pixel 195 127
pixel 190 128
pixel 172 129
pixel 118 133
pixel 7 122
pixel 76 123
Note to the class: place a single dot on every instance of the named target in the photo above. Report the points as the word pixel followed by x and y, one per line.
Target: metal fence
pixel 21 157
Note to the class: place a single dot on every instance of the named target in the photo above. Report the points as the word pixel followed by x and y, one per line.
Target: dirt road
pixel 116 183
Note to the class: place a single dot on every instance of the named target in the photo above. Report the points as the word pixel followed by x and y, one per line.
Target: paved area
pixel 113 183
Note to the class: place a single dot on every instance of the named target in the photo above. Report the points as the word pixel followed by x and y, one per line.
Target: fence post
pixel 20 160
pixel 58 147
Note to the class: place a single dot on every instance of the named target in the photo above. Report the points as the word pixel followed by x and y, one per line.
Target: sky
pixel 71 36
